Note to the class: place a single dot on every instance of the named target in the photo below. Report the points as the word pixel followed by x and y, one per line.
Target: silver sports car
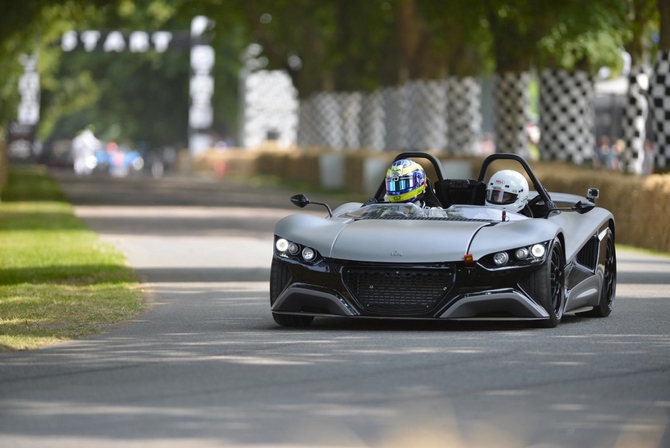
pixel 461 260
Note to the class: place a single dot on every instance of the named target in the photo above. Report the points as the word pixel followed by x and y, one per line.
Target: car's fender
pixel 511 235
pixel 578 229
pixel 313 231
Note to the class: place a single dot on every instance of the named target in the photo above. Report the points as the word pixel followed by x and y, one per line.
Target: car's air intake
pixel 398 291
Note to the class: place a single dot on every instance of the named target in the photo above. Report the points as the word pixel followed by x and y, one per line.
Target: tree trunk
pixel 664 12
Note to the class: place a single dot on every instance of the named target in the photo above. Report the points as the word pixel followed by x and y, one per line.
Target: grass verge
pixel 58 280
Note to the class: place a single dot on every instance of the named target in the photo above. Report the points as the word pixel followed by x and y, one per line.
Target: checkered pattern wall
pixel 426 110
pixel 418 115
pixel 567 115
pixel 464 117
pixel 511 94
pixel 307 135
pixel 395 119
pixel 660 94
pixel 634 119
pixel 350 111
pixel 372 130
pixel 328 116
pixel 270 108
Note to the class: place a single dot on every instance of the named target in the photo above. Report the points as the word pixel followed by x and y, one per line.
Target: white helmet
pixel 507 190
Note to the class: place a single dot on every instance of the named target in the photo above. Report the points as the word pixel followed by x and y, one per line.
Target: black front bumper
pixel 430 291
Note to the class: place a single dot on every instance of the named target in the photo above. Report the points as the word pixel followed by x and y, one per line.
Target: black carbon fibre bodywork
pixel 410 291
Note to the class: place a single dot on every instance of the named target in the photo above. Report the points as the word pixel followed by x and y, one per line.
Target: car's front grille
pixel 398 291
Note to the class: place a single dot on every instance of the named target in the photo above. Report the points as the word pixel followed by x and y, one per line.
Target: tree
pixel 28 27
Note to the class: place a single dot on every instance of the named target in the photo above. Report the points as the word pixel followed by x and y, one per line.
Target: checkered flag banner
pixel 634 119
pixel 464 117
pixel 512 112
pixel 660 94
pixel 567 115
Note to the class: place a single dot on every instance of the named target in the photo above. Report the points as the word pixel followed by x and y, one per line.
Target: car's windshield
pixel 411 211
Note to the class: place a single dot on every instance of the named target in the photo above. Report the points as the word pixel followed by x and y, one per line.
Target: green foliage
pixel 585 35
pixel 57 279
pixel 341 45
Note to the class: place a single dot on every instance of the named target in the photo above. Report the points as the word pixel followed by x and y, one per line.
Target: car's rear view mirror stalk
pixel 300 200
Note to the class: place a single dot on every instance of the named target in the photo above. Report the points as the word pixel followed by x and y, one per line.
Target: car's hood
pixel 404 241
pixel 412 240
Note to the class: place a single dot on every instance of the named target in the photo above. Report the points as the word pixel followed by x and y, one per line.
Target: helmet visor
pixel 400 184
pixel 500 197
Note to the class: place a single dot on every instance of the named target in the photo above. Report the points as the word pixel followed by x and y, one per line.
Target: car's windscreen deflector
pixel 412 211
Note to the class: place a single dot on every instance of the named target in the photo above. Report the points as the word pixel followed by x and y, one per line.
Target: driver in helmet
pixel 507 190
pixel 406 182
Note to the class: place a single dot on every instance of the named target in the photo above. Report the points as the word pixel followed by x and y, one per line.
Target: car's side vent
pixel 588 256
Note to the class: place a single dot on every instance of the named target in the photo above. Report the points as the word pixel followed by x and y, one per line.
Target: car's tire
pixel 547 285
pixel 279 278
pixel 608 289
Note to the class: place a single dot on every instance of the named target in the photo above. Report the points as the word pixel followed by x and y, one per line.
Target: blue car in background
pixel 119 162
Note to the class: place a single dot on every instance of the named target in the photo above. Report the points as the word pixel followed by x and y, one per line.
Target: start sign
pixel 137 41
pixel 202 63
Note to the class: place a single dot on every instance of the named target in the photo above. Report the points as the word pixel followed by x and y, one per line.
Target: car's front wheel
pixel 279 278
pixel 547 284
pixel 608 289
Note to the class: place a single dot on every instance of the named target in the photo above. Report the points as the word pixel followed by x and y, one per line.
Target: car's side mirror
pixel 300 200
pixel 583 207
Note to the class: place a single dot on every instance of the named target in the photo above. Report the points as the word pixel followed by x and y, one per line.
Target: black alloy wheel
pixel 608 289
pixel 547 285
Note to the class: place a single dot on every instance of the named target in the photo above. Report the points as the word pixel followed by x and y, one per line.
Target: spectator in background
pixel 618 150
pixel 603 158
pixel 84 146
pixel 648 163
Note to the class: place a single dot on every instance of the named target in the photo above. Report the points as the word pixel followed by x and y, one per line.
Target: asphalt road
pixel 207 366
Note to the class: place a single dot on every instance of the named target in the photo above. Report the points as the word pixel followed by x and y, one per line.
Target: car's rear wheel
pixel 608 289
pixel 547 285
pixel 279 278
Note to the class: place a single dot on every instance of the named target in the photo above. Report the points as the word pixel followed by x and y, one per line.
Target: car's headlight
pixel 518 257
pixel 501 258
pixel 289 249
pixel 281 245
pixel 538 250
pixel 521 253
pixel 308 254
